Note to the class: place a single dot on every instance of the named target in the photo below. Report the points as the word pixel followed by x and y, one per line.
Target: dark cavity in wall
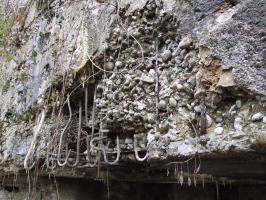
pixel 102 189
pixel 119 190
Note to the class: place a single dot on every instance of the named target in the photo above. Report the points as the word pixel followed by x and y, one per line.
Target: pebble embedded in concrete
pixel 238 123
pixel 162 105
pixel 264 119
pixel 109 66
pixel 197 109
pixel 238 103
pixel 118 64
pixel 146 79
pixel 219 130
pixel 185 43
pixel 166 55
pixel 209 121
pixel 172 102
pixel 257 117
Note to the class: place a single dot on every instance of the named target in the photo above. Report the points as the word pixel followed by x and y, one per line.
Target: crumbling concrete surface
pixel 82 81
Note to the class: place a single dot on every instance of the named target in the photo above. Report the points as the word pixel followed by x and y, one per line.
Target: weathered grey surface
pixel 237 38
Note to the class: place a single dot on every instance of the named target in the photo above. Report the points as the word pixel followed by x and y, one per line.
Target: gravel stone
pixel 166 55
pixel 172 102
pixel 209 121
pixel 257 117
pixel 219 130
pixel 185 43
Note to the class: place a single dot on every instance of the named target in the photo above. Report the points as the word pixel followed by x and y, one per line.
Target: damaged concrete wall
pixel 168 79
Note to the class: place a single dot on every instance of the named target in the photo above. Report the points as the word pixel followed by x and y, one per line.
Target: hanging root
pixel 78 139
pixel 93 111
pixel 136 152
pixel 117 154
pixel 62 136
pixel 34 141
pixel 86 106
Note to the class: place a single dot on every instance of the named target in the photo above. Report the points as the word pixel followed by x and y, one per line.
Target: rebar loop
pixel 88 155
pixel 62 136
pixel 136 152
pixel 117 153
pixel 78 139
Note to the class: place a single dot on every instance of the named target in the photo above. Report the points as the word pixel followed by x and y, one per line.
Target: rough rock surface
pixel 150 63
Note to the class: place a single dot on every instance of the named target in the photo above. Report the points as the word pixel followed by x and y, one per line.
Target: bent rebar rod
pixel 90 147
pixel 88 157
pixel 117 153
pixel 88 164
pixel 78 139
pixel 62 135
pixel 93 147
pixel 136 152
pixel 34 140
